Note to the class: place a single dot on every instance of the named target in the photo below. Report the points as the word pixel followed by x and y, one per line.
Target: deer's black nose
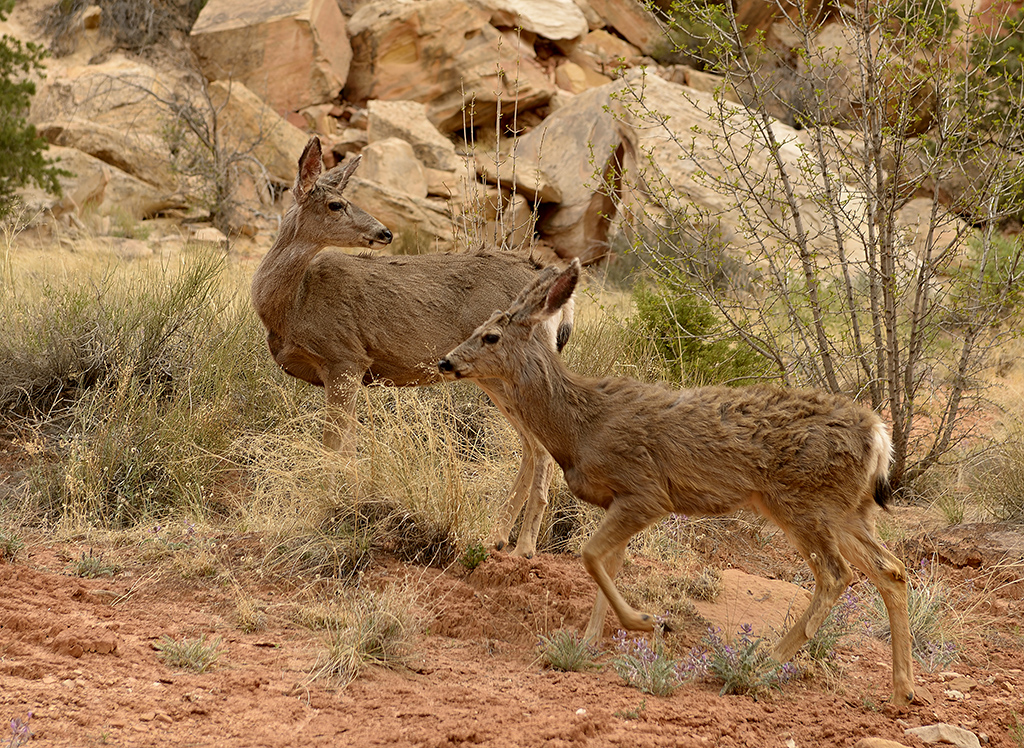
pixel 386 236
pixel 445 366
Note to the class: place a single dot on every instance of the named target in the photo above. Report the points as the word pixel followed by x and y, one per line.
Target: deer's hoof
pixel 905 699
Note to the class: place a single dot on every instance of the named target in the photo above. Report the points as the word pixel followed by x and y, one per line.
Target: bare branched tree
pixel 870 227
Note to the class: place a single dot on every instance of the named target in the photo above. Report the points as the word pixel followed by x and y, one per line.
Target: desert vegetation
pixel 150 437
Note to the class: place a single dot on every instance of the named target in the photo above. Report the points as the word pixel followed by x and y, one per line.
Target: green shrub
pixel 474 555
pixel 22 147
pixel 92 566
pixel 646 667
pixel 10 546
pixel 741 664
pixel 566 650
pixel 690 339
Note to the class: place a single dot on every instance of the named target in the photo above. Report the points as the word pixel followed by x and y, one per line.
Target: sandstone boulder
pixel 519 173
pixel 391 162
pixel 945 733
pixel 604 53
pixel 676 162
pixel 419 225
pixel 408 120
pixel 556 20
pixel 98 188
pixel 574 149
pixel 291 53
pixel 118 110
pixel 445 54
pixel 633 21
pixel 119 94
pixel 576 79
pixel 143 155
pixel 248 125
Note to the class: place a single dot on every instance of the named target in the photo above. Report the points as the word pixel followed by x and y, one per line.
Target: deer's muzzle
pixel 447 368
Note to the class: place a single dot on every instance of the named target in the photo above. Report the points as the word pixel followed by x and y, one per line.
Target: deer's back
pixel 707 449
pixel 400 314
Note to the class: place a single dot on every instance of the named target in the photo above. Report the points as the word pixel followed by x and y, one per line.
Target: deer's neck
pixel 277 279
pixel 556 405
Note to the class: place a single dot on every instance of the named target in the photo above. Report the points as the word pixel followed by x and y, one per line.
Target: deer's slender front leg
pixel 339 417
pixel 625 518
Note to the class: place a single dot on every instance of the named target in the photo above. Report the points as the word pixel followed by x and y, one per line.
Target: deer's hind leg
pixel 612 565
pixel 862 547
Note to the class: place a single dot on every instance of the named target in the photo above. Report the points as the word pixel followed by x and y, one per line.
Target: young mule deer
pixel 815 464
pixel 335 320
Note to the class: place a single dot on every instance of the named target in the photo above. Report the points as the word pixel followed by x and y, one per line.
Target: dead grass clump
pixel 705 586
pixel 363 628
pixel 250 615
pixel 423 487
pixel 1001 482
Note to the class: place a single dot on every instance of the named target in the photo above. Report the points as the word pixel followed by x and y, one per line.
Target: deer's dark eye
pixel 491 338
pixel 336 206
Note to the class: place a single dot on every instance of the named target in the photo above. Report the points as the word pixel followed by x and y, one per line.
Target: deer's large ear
pixel 562 287
pixel 338 176
pixel 310 166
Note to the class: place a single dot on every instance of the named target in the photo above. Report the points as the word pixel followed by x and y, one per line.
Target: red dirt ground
pixel 79 655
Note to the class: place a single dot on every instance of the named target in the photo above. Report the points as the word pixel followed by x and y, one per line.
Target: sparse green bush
pixel 22 147
pixel 10 546
pixel 197 655
pixel 566 650
pixel 647 668
pixel 91 566
pixel 742 665
pixel 1002 484
pixel 690 339
pixel 148 373
pixel 474 555
pixel 126 226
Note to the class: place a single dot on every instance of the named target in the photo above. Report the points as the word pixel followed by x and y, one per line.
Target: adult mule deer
pixel 336 320
pixel 816 464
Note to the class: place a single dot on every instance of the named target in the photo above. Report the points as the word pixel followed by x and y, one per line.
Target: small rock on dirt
pixel 945 733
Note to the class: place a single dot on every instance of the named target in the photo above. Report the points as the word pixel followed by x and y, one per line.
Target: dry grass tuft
pixel 362 628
